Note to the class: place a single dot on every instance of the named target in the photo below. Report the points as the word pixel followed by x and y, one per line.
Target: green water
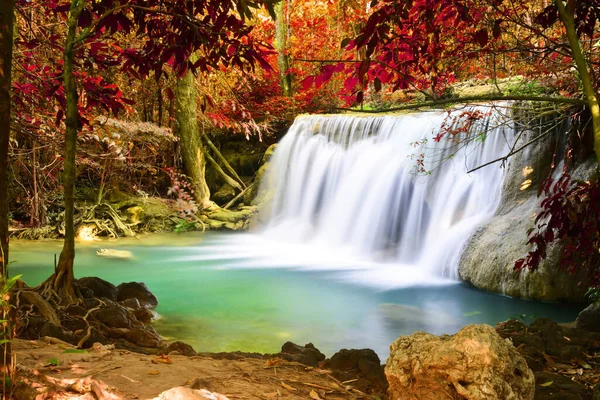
pixel 225 309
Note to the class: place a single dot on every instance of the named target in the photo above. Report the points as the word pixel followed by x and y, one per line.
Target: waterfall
pixel 377 200
pixel 382 189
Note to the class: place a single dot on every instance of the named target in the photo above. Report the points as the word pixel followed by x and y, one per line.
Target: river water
pixel 220 301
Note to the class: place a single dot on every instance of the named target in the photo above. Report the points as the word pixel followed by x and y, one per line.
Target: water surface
pixel 208 299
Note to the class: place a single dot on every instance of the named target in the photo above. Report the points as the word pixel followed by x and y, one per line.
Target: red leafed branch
pixel 571 213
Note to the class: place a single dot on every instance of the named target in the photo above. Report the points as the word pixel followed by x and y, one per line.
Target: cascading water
pixel 357 183
pixel 379 196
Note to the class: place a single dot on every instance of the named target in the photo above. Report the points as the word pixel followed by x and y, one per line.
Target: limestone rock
pixel 589 318
pixel 506 233
pixel 474 364
pixel 100 287
pixel 307 354
pixel 139 291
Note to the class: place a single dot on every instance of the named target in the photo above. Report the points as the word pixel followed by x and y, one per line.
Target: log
pixel 222 159
pixel 229 180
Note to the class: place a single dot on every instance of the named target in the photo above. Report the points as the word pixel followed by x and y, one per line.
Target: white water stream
pixel 347 195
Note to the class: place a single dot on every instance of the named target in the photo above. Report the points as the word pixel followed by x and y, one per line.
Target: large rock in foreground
pixel 474 364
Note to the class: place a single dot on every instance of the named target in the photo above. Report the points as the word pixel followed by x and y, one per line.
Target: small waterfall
pixel 381 191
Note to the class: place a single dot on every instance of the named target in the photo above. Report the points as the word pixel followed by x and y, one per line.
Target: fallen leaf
pixel 314 395
pixel 288 387
pixel 270 395
pixel 162 359
pixel 585 365
pixel 548 359
pixel 273 361
pixel 152 372
pixel 75 351
pixel 579 371
pixel 545 384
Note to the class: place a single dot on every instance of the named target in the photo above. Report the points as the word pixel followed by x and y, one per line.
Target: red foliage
pixel 571 212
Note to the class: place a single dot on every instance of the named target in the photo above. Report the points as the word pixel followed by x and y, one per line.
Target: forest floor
pixel 103 372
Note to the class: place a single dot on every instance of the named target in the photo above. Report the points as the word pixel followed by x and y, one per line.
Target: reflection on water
pixel 218 308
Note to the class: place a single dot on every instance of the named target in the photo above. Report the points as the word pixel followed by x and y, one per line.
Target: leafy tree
pixel 168 33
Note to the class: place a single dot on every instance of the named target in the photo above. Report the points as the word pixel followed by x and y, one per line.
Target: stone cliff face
pixel 489 255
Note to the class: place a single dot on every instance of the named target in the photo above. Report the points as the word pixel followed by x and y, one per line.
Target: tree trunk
pixel 6 43
pixel 281 44
pixel 6 48
pixel 62 282
pixel 192 148
pixel 568 20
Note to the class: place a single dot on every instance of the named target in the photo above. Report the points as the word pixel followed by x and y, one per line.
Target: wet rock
pixel 589 318
pixel 144 315
pixel 132 303
pixel 474 364
pixel 363 364
pixel 139 291
pixel 307 354
pixel 143 337
pixel 100 287
pixel 179 347
pixel 113 316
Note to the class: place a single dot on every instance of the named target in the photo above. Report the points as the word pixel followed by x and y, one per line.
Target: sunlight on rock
pixel 527 171
pixel 87 233
pixel 525 185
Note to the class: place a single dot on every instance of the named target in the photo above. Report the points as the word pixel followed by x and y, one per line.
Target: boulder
pixel 144 315
pixel 51 330
pixel 143 337
pixel 589 318
pixel 361 364
pixel 476 363
pixel 179 347
pixel 132 303
pixel 100 287
pixel 307 354
pixel 507 232
pixel 225 194
pixel 113 316
pixel 139 291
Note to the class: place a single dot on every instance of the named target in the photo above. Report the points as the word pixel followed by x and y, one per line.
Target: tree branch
pixel 471 99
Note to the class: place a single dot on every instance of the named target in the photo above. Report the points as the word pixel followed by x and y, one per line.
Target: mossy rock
pixel 225 194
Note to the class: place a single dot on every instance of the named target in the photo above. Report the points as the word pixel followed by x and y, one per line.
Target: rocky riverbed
pixel 106 344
